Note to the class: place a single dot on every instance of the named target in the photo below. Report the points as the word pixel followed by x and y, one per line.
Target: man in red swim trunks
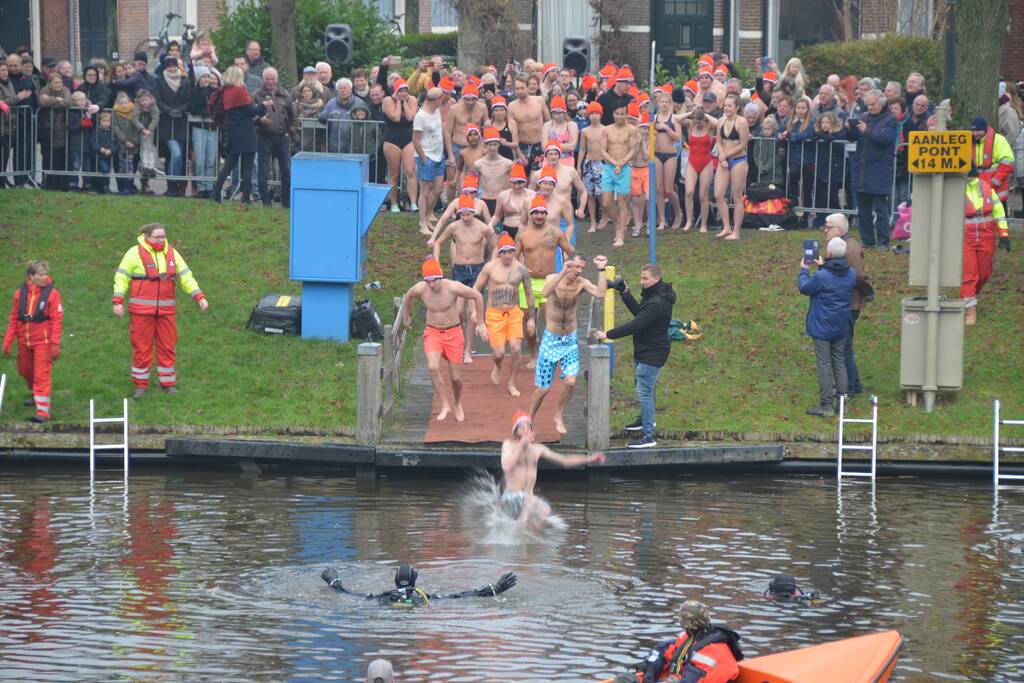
pixel 442 336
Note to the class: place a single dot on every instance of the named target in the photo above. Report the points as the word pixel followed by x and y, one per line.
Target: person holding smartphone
pixel 828 319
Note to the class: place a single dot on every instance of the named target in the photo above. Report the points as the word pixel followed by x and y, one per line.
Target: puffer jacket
pixel 830 289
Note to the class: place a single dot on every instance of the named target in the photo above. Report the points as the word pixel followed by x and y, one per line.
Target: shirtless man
pixel 474 241
pixel 442 337
pixel 567 179
pixel 529 112
pixel 502 278
pixel 493 170
pixel 559 345
pixel 469 153
pixel 560 214
pixel 590 164
pixel 618 144
pixel 509 207
pixel 471 187
pixel 538 242
pixel 468 110
pixel 520 457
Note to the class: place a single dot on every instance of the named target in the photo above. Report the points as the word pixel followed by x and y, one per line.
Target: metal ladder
pixel 997 449
pixel 3 386
pixel 93 446
pixel 843 421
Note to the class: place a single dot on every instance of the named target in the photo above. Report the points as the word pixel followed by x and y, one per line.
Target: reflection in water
pixel 212 576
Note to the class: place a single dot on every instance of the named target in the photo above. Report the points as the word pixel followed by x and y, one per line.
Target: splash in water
pixel 507 519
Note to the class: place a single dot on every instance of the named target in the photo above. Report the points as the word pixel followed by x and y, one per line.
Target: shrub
pixel 371 35
pixel 429 44
pixel 887 59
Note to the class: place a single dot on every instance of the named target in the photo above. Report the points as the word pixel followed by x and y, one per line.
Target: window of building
pixel 443 15
pixel 158 11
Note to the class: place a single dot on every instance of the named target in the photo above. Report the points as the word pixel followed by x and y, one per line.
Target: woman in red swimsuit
pixel 699 170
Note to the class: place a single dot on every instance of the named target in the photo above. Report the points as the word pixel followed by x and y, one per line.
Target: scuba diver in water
pixel 406 594
pixel 783 588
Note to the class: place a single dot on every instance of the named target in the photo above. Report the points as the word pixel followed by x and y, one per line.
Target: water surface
pixel 204 575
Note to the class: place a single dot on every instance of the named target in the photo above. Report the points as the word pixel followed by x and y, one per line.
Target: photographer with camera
pixel 651 343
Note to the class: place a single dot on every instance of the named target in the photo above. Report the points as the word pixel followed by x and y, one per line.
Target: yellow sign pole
pixel 609 302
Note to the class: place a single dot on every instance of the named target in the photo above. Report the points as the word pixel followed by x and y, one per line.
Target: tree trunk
pixel 282 39
pixel 472 33
pixel 980 32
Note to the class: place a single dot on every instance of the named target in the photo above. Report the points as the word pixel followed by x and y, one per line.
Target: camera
pixel 852 121
pixel 618 284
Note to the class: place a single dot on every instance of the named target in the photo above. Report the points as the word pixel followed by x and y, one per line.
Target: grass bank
pixel 227 374
pixel 753 370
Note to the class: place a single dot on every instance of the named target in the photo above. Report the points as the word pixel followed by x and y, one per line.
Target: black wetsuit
pixel 411 596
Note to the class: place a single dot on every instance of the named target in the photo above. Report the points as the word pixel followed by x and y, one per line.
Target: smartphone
pixel 810 251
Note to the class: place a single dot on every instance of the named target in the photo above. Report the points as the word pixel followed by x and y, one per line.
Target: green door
pixel 682 29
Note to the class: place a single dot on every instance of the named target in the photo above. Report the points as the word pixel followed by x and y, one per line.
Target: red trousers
pixel 145 329
pixel 34 365
pixel 979 249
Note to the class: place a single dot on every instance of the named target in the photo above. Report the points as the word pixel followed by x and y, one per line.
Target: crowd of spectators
pixel 838 145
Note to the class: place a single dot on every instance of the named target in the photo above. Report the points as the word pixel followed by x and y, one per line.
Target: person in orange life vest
pixel 37 317
pixel 983 218
pixel 993 156
pixel 701 652
pixel 148 274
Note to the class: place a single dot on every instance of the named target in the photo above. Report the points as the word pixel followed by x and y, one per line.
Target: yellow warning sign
pixel 940 151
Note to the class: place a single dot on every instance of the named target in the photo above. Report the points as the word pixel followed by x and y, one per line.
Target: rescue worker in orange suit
pixel 993 156
pixel 148 275
pixel 37 317
pixel 984 224
pixel 701 652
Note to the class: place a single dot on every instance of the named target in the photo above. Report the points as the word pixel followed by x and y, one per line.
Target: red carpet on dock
pixel 489 408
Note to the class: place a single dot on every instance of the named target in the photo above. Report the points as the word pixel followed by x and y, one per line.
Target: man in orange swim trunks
pixel 502 277
pixel 442 336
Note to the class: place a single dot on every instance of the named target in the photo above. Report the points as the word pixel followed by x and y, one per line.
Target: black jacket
pixel 649 326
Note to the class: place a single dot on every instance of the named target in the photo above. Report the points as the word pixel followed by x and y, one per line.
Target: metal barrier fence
pixel 18 146
pixel 71 155
pixel 815 174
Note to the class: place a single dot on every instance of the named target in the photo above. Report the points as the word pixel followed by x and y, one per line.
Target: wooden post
pixel 368 394
pixel 389 358
pixel 598 392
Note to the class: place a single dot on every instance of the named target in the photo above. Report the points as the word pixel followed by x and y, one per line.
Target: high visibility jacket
pixel 994 158
pixel 44 325
pixel 148 277
pixel 983 212
pixel 712 658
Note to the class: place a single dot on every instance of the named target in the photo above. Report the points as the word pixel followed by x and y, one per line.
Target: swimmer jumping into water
pixel 519 459
pixel 406 594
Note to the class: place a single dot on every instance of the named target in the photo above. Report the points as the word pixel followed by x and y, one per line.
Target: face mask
pixel 157 246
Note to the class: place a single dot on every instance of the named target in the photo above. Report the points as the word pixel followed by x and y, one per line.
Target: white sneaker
pixel 413 208
pixel 394 208
pixel 772 228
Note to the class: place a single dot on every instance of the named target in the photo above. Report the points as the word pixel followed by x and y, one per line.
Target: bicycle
pixel 155 46
pixel 395 25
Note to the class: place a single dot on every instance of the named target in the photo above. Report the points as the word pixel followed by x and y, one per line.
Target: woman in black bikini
pixel 509 147
pixel 399 110
pixel 733 135
pixel 667 133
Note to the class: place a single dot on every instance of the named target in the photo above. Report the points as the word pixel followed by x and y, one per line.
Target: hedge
pixel 887 59
pixel 372 38
pixel 430 44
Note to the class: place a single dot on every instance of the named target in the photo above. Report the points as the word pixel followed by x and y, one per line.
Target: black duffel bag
pixel 762 192
pixel 277 314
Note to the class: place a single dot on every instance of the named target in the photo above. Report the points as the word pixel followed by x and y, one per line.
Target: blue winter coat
pixel 830 289
pixel 874 161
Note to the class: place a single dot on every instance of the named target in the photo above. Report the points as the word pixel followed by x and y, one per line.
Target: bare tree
pixel 282 38
pixel 488 30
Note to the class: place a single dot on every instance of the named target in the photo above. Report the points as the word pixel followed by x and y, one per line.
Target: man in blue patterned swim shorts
pixel 558 344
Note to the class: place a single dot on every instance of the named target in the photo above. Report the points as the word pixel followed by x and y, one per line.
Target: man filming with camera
pixel 651 343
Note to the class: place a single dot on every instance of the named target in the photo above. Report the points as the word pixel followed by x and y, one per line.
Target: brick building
pixel 97 28
pixel 745 29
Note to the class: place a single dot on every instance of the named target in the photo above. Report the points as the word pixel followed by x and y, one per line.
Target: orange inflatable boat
pixel 864 659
